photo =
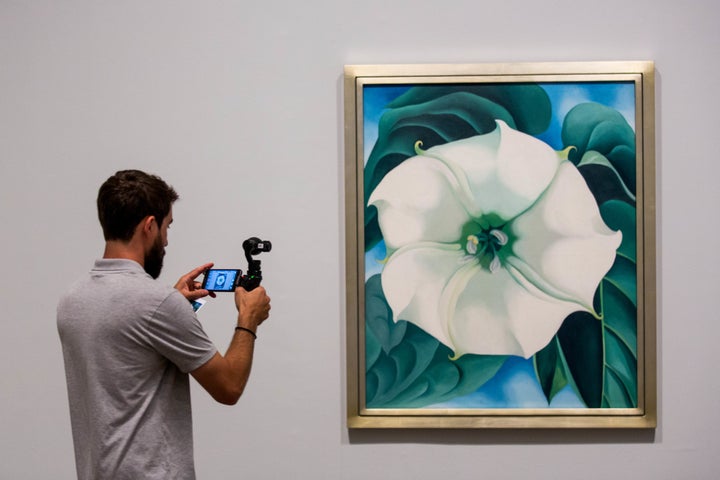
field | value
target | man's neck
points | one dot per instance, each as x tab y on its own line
125	250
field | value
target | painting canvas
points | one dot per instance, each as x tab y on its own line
500	245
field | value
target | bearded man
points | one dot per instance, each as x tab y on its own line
130	343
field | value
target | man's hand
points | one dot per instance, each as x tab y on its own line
253	307
191	288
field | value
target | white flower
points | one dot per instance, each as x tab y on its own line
492	242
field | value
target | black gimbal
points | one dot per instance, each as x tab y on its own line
253	246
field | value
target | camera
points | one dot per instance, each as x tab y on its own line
228	279
253	246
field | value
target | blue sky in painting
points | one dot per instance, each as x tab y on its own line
515	385
564	96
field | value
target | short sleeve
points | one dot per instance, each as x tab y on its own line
175	332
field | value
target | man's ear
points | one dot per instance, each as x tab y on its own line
147	224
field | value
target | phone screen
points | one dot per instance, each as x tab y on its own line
221	279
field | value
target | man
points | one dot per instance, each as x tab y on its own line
129	343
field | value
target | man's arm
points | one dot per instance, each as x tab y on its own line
225	377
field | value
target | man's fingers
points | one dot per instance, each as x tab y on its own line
198	270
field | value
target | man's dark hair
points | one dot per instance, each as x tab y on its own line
129	196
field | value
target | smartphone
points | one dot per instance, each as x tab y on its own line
221	279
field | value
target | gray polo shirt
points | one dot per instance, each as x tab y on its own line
128	344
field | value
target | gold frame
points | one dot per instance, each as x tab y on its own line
642	73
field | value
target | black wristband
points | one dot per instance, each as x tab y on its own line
246	330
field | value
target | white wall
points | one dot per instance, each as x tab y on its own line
246	97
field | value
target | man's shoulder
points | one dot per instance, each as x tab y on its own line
123	283
130	275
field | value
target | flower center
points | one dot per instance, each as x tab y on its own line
486	245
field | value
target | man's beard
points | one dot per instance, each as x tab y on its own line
154	259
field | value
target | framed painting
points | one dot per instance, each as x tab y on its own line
500	245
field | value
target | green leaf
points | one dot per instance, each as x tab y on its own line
551	369
372	348
615	389
379	378
439	381
603	179
445	379
620	336
528	103
621	372
451	116
405	363
386	335
580	338
597	357
596	127
623	277
620	315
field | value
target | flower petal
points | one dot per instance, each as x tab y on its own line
502	314
506	170
467	308
420	200
561	243
413	281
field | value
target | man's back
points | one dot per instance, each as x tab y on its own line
128	343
